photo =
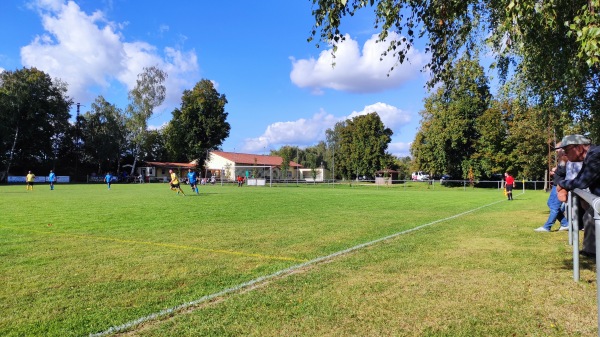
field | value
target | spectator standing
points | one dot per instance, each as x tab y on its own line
108	179
51	179
580	149
29	180
556	206
510	183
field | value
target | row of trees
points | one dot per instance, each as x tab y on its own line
353	148
547	55
464	129
36	133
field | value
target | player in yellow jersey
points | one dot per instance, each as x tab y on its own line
175	183
30	179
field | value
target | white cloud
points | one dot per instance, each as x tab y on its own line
307	132
356	72
391	116
302	132
399	149
89	52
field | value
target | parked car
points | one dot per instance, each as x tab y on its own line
420	176
444	179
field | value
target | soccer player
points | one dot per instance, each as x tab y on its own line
51	179
30	179
108	179
175	183
510	183
193	179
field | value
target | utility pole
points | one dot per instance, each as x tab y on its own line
77	142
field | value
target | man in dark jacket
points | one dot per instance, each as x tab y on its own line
580	149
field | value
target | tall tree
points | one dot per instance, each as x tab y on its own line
402	165
332	137
553	46
148	93
526	142
103	133
490	155
361	145
199	125
286	155
155	146
446	140
34	114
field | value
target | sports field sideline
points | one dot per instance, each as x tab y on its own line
82	260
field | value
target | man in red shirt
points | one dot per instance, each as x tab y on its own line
510	183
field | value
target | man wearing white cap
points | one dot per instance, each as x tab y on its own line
580	149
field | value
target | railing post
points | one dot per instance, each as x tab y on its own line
569	211
596	206
575	217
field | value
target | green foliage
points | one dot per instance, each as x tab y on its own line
490	156
34	113
528	143
447	138
402	165
553	47
286	155
199	125
148	93
586	27
103	132
360	144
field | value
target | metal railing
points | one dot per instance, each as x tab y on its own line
575	212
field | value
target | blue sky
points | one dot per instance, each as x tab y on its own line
281	89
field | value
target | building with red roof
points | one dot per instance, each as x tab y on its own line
231	164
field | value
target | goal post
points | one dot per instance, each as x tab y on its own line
254	175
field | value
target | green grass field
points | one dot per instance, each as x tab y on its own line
83	260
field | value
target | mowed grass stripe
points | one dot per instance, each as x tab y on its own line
159	244
266	278
58	286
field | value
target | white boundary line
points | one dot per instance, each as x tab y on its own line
260	279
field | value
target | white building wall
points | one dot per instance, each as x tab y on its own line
216	162
306	174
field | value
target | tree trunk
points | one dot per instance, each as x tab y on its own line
134	162
12	151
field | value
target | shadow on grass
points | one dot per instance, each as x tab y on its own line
585	263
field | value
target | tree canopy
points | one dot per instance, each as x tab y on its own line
552	46
446	140
199	125
34	113
148	93
103	132
360	145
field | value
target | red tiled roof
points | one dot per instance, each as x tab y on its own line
252	159
169	164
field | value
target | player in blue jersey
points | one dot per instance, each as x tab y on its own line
193	180
108	179
51	179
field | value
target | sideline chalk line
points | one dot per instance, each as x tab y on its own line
260	279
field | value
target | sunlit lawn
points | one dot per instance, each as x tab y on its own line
82	259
